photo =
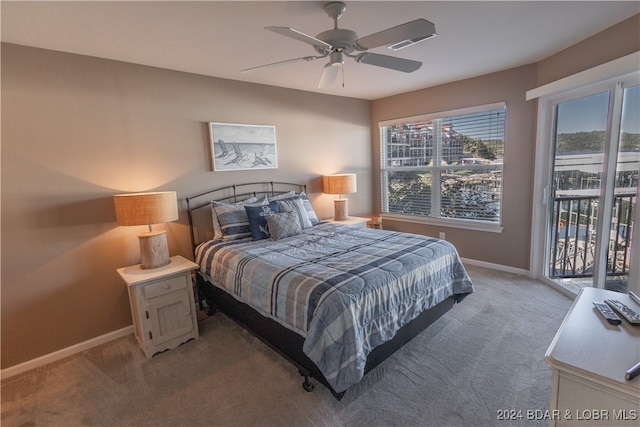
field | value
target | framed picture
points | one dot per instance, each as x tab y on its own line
242	147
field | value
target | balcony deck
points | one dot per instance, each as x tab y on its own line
573	242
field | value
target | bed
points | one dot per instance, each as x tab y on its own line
334	300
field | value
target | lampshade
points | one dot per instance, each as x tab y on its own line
339	184
148	209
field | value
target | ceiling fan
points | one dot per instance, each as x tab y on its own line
338	43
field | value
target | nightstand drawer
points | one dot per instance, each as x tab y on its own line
165	286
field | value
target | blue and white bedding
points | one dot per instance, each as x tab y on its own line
344	289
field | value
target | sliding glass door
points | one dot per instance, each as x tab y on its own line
592	190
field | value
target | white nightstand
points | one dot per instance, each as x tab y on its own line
162	307
352	220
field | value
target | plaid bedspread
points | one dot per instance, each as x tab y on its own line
344	289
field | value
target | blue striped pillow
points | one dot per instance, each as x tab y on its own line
234	223
217	232
295	205
313	218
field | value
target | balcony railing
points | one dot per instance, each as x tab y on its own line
573	237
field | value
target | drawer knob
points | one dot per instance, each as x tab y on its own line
167	286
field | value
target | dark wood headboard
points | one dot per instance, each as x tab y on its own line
200	226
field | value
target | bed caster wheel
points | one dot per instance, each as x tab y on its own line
210	311
308	386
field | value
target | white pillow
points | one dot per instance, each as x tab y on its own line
287	195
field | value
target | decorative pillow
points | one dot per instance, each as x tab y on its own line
313	218
234	223
217	232
295	205
284	224
257	219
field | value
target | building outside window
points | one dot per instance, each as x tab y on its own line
445	166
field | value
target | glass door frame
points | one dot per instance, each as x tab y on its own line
544	171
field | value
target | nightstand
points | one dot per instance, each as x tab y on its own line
352	220
162	306
375	221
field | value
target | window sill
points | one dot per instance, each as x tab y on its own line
451	223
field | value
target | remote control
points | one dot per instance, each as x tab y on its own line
633	372
607	313
630	315
634	297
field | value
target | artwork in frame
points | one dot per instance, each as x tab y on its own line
242	147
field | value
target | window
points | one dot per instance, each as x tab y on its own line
445	166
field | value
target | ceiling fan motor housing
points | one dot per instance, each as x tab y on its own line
341	39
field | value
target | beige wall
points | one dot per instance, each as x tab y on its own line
511	247
614	42
77	130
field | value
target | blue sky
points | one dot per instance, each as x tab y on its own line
590	113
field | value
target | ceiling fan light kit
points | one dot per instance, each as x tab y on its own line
339	42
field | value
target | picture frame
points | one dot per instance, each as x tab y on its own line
242	146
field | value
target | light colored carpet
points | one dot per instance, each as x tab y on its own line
485	355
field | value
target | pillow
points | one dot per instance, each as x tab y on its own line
284	224
313	218
234	223
217	232
282	196
295	205
257	219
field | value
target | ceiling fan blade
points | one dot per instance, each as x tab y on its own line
295	34
274	64
329	75
391	62
398	37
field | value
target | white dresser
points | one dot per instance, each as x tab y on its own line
588	359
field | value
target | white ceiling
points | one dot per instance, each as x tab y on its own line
219	38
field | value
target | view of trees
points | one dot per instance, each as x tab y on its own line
481	149
464	195
585	142
410	193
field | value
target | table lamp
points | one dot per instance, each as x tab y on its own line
147	209
340	184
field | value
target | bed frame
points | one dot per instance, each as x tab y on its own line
284	341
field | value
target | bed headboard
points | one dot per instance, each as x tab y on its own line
200	226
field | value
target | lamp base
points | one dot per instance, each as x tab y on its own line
154	251
341	210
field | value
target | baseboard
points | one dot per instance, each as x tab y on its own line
65	352
499	267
